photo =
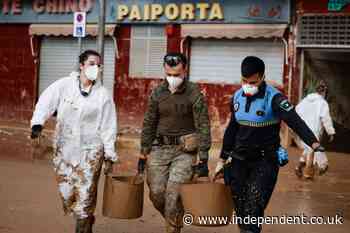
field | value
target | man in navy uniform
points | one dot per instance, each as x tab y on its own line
252	142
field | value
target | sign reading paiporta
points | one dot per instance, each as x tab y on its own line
147	11
172	11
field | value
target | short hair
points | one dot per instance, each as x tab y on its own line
181	56
321	87
252	65
86	54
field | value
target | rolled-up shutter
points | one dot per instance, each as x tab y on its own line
219	61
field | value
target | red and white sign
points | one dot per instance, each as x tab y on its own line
79	24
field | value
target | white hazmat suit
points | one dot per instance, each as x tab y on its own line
314	110
85	135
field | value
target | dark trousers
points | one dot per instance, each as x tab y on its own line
252	183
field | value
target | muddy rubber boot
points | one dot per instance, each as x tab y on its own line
299	169
172	229
322	171
90	224
80	225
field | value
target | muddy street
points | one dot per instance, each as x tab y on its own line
30	202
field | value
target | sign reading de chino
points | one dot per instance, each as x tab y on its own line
161	11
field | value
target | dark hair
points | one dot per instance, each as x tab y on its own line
252	65
321	87
173	59
86	54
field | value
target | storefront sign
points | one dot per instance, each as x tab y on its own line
172	11
337	5
147	11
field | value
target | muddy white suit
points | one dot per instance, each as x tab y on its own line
314	110
85	135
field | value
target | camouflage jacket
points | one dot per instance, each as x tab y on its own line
162	104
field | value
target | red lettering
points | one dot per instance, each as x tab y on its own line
85	5
16	7
51	6
61	6
5	7
71	6
38	6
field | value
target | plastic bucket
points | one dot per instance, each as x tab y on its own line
123	197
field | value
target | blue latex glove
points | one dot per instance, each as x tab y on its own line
282	155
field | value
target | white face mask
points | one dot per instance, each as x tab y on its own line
250	90
174	82
91	72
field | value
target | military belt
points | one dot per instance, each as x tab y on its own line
168	140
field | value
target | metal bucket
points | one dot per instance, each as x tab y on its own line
207	199
123	197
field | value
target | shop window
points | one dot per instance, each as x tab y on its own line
147	49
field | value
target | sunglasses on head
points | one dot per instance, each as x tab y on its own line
171	60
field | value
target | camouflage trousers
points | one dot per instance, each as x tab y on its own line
168	168
77	185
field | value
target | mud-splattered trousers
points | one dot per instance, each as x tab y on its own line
77	185
167	168
252	184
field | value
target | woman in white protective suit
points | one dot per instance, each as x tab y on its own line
314	110
84	137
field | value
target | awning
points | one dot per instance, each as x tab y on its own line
67	29
231	31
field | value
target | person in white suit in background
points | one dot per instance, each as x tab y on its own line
314	110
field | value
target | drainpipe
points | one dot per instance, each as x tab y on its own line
101	32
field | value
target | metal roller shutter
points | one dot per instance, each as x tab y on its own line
59	55
219	61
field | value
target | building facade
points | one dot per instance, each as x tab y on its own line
322	42
38	48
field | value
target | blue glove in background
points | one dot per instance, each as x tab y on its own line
282	155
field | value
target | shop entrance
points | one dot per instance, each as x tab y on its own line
333	67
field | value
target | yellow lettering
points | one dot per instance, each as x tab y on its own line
135	13
123	11
187	11
146	12
172	11
216	12
156	11
203	13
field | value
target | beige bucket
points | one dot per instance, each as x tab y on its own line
207	199
123	197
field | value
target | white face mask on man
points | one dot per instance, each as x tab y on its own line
174	82
92	72
250	90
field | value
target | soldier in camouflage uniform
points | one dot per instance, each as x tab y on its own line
175	128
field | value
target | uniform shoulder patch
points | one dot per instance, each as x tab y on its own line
285	105
236	106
